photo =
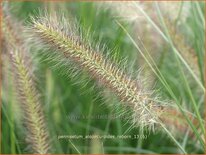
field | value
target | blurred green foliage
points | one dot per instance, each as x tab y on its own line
63	97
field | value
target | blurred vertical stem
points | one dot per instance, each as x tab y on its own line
12	136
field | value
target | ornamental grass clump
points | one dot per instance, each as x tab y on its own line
15	47
70	45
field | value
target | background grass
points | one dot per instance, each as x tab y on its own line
63	99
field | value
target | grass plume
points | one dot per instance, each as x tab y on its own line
146	111
68	43
28	96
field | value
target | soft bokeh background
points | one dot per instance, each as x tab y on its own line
64	97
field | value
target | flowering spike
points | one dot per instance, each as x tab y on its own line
37	135
70	46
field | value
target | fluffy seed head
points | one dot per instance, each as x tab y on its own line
28	96
37	135
67	42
